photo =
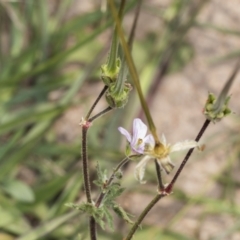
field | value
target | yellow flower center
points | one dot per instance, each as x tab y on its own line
160	150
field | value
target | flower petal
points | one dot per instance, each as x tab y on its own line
164	141
149	143
140	169
139	130
124	132
166	164
149	140
183	145
138	148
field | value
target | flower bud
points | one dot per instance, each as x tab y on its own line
118	100
128	150
213	112
110	75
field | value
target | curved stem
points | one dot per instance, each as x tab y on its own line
143	215
96	101
102	194
108	109
168	189
87	186
133	71
189	153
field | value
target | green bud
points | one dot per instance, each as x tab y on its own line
211	98
220	115
118	100
110	75
227	111
119	174
128	150
211	105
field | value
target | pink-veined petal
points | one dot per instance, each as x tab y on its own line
139	130
183	145
124	132
140	169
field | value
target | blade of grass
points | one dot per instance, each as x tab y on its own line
48	227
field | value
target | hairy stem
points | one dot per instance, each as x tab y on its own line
87	186
85	165
92	226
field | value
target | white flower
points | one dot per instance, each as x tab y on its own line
163	157
138	140
145	145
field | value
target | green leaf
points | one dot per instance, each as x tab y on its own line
122	214
47	227
51	187
30	115
108	217
19	190
12	220
69	193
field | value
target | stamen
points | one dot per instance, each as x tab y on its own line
139	141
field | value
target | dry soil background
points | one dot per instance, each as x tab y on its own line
177	109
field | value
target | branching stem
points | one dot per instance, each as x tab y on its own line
168	189
85	126
189	153
108	109
102	194
96	101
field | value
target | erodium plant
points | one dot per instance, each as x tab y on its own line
141	145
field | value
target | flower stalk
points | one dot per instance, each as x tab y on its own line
164	191
145	145
223	99
168	189
85	163
96	101
143	215
106	110
159	177
133	73
111	69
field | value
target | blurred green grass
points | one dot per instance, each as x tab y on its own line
44	51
